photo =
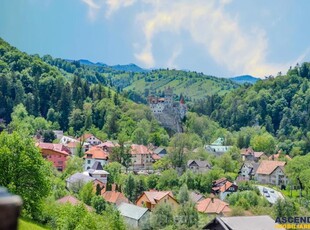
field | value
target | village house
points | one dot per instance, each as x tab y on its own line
242	223
217	147
248	154
73	201
141	157
108	146
58	133
150	199
89	138
96	171
247	171
115	197
275	157
213	206
94	154
67	139
223	188
271	172
76	181
198	166
133	215
56	153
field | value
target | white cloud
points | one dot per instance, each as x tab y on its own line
239	50
110	6
114	5
210	26
93	8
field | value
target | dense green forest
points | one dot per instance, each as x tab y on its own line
280	104
68	97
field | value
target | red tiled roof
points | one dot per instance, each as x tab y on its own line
277	156
226	186
258	154
267	167
72	144
97	153
247	151
156	157
85	136
139	149
72	200
212	205
115	197
55	147
155	196
108	144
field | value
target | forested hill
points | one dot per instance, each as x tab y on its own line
281	104
39	96
139	84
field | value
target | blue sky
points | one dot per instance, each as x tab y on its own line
222	37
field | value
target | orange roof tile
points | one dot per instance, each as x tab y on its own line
156	157
72	200
155	196
96	153
60	148
212	205
85	136
115	197
267	167
139	149
226	186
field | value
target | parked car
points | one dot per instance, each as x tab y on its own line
267	194
265	190
272	191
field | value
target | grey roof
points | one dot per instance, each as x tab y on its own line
97	166
80	177
131	211
249	222
195	197
252	165
201	164
158	150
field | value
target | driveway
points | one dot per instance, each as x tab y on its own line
273	194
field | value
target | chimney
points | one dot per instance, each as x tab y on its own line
212	198
113	187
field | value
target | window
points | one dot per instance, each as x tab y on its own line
60	162
88	161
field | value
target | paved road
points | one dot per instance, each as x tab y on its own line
273	194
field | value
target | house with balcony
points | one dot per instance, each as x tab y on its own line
95	154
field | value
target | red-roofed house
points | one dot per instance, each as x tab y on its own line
94	154
248	154
271	172
278	156
223	187
89	138
108	146
141	156
115	197
73	201
152	198
55	153
213	206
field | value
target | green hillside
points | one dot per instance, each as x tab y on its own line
25	225
191	84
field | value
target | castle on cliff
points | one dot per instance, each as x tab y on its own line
168	112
